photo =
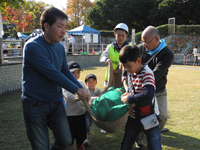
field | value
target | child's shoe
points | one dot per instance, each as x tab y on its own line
79	147
86	143
103	131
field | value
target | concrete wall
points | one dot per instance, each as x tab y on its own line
10	74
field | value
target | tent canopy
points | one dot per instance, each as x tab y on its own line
7	25
81	30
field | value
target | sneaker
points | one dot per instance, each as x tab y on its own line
165	130
86	143
79	147
139	147
103	131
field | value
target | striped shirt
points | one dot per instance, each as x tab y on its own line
143	78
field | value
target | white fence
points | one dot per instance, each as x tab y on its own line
11	51
84	49
184	59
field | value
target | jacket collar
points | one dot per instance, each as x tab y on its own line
116	47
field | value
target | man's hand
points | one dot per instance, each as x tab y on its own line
83	93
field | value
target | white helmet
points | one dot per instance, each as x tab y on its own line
122	26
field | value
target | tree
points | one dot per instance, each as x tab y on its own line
35	9
18	17
27	17
138	14
12	3
76	11
185	12
106	14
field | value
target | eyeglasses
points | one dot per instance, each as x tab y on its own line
147	44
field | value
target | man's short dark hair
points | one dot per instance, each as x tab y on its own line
129	53
51	15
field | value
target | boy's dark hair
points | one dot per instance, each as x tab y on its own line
51	15
115	31
129	53
90	76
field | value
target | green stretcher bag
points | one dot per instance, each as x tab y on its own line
109	106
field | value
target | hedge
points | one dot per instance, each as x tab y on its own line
163	29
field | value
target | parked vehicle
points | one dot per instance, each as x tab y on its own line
34	33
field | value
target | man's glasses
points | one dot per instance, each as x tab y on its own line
147	44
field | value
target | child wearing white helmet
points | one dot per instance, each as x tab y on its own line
111	54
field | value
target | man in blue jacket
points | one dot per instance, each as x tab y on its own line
45	71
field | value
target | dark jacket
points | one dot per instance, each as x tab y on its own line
159	65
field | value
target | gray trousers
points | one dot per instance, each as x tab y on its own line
162	105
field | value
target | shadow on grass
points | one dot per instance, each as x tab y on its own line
177	141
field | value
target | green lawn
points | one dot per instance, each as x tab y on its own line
183	103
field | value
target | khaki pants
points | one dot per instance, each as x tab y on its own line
162	105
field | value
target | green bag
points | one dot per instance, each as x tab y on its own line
109	106
116	112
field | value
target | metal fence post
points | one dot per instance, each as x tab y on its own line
1	51
73	49
88	48
102	48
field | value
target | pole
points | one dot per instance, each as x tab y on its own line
1	27
133	36
1	51
88	49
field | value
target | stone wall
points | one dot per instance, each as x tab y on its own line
181	44
10	77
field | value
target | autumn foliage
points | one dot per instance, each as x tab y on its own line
19	17
76	11
27	17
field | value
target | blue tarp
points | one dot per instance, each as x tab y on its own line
7	25
81	30
21	35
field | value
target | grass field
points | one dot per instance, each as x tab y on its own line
183	104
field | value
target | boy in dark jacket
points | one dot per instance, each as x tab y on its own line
141	89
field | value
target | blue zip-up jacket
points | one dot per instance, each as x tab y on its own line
45	71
